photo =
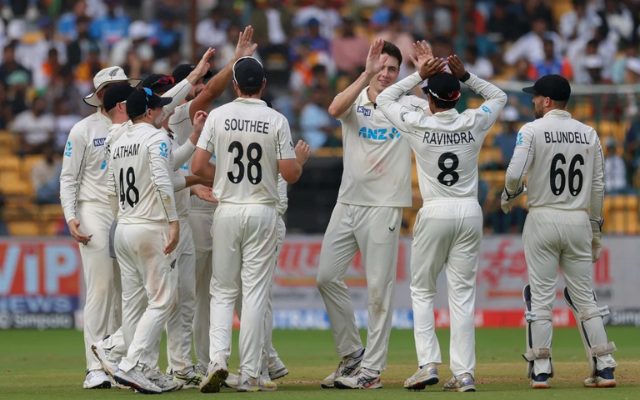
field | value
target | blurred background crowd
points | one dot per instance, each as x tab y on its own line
51	49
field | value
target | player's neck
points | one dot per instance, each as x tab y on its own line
372	94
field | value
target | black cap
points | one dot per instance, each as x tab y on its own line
443	86
116	93
143	99
159	83
248	73
183	70
553	86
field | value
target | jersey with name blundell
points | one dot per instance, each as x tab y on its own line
562	159
248	138
141	167
446	144
377	161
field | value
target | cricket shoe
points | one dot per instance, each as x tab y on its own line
232	381
266	383
540	381
277	369
461	383
188	378
96	379
364	378
102	353
347	367
423	377
216	375
135	378
248	384
165	382
602	379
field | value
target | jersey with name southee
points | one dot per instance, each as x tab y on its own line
248	138
377	160
141	168
560	157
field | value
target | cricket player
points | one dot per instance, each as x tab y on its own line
563	160
252	143
147	234
376	184
448	227
85	203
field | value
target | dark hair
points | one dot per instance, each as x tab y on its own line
392	50
250	91
442	104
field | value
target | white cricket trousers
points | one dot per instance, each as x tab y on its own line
560	237
375	231
102	309
244	248
149	287
446	235
200	222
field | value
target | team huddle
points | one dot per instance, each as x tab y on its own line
179	214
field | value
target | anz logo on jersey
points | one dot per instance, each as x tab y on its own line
379	134
164	150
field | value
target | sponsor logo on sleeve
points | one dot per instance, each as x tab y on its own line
103	165
519	139
486	109
67	149
164	150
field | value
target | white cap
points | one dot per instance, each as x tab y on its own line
105	77
633	65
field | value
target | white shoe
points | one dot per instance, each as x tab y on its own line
102	353
461	383
96	379
216	375
347	367
135	378
426	375
364	379
277	369
265	382
188	378
232	381
248	384
166	383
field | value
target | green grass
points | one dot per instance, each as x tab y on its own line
49	364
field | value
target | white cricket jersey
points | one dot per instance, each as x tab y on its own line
563	162
181	125
447	143
141	167
84	167
248	138
376	161
180	171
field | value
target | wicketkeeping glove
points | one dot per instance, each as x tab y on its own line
506	199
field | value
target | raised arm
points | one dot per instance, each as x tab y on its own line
216	85
345	99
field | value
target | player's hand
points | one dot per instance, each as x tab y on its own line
74	228
245	46
506	199
422	53
375	60
199	120
204	193
431	67
202	67
302	151
456	66
174	237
